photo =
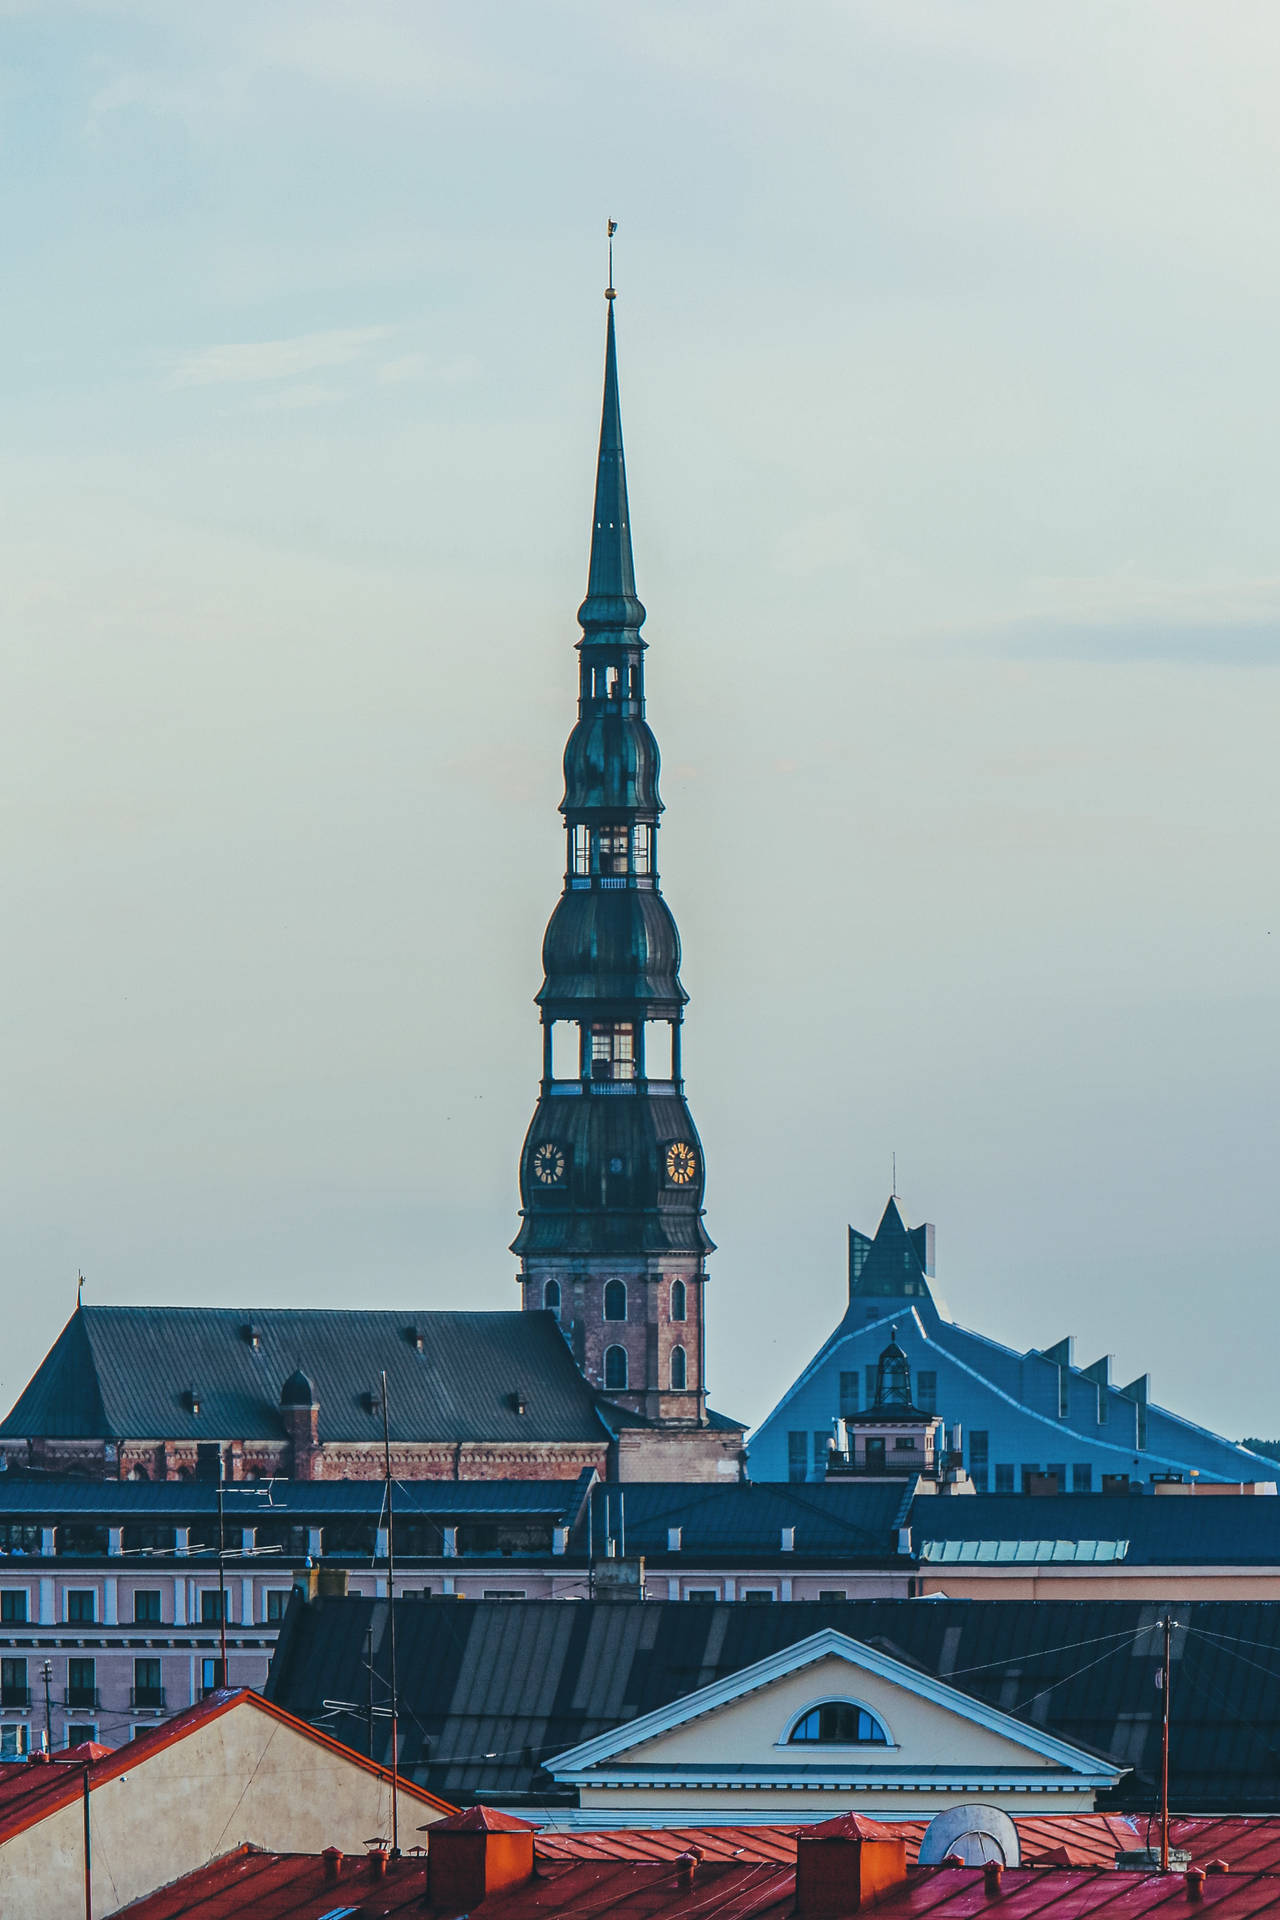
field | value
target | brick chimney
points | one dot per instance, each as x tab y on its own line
476	1853
300	1417
844	1864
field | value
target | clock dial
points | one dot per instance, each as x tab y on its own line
682	1164
548	1163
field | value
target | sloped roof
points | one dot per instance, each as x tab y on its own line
126	1373
31	1497
850	1519
1154	1530
498	1689
31	1792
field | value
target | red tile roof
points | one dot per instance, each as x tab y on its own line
30	1793
256	1886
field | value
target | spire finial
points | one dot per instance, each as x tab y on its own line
79	1287
609	292
894	1189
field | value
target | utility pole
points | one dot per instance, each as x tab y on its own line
1166	1670
46	1674
222	1570
391	1623
88	1849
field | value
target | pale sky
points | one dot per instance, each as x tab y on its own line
948	341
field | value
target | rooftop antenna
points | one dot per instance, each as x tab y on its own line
895	1176
609	292
79	1287
391	1625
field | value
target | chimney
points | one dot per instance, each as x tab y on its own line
332	1858
846	1863
473	1854
300	1417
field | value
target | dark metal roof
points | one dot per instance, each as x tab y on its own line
1161	1530
35	1497
849	1521
492	1690
132	1373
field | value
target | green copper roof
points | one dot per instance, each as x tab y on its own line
611	604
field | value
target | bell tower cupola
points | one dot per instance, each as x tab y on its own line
611	1173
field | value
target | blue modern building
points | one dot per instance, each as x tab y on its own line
1027	1421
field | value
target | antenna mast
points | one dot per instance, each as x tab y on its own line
391	1618
1166	1670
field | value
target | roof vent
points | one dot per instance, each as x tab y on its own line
249	1334
191	1399
518	1402
414	1339
788	1540
371	1400
673	1539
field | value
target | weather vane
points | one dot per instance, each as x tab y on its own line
609	293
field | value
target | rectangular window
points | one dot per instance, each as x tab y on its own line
582	850
277	1602
15	1743
758	1595
644	848
211	1676
703	1595
146	1606
613	845
80	1733
1064	1392
831	1594
82	1683
1059	1473
148	1689
503	1593
978	1475
1030	1472
927	1390
211	1607
81	1605
979	1448
848	1395
1004	1476
13	1684
613	1051
797	1455
1082	1477
16	1537
13	1607
821	1448
872	1377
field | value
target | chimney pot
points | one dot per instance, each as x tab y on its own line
1195	1883
953	1860
377	1863
992	1874
686	1866
1217	1866
332	1857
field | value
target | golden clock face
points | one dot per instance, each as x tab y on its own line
548	1163
682	1164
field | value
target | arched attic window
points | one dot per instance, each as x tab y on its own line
679	1301
551	1297
615	1369
838	1723
679	1370
615	1300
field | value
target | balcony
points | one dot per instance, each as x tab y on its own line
17	1697
146	1697
885	1466
82	1699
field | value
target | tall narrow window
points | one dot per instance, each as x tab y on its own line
848	1394
615	1369
551	1297
927	1390
581	855
678	1300
797	1456
615	1300
644	848
679	1370
611	683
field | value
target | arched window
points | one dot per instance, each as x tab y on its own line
615	1300
678	1302
551	1296
679	1370
838	1723
615	1369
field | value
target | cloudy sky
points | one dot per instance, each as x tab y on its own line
948	343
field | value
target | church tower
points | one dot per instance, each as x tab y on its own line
611	1174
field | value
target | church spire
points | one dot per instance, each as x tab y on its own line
611	607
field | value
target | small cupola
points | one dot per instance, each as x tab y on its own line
893	1376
